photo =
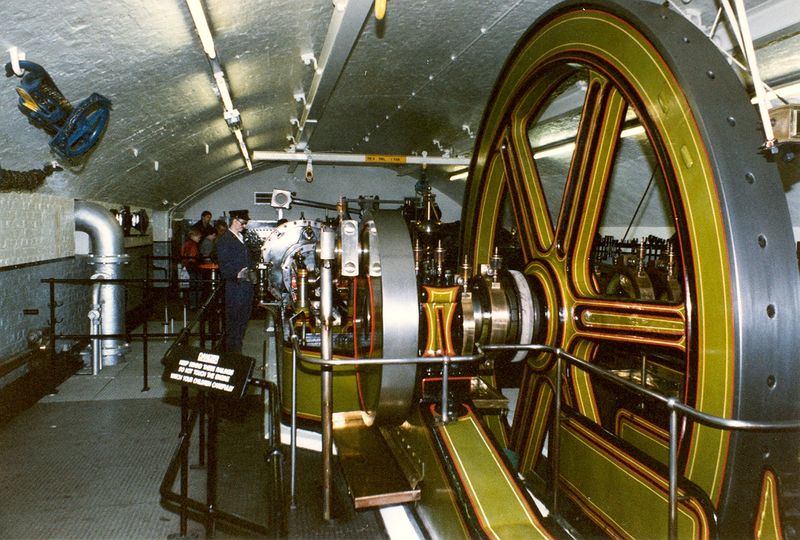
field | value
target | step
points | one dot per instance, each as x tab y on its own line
371	470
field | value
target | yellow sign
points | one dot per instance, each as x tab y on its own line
378	158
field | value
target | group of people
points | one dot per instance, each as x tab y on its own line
224	244
200	246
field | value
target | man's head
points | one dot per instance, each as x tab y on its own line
239	219
205	217
220	227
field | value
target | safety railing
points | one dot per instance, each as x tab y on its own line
326	366
675	407
208	512
194	326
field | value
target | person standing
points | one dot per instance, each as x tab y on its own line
190	258
207	245
234	263
204	225
220	227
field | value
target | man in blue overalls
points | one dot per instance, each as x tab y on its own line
234	263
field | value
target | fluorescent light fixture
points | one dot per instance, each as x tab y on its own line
201	24
224	92
556	150
570	146
632	131
460	175
243	148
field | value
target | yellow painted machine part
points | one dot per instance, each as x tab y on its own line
644	435
599	35
345	393
768	518
594	474
499	505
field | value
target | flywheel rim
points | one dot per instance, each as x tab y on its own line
723	224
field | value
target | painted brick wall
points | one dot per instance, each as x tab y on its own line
45	231
42	246
22	289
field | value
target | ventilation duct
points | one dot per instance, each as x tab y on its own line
107	256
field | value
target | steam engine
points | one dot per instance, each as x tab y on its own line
691	297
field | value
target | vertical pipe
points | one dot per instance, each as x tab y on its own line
52	305
148	298
184	459
557	436
145	385
201	433
293	441
96	324
166	319
108	256
445	406
95	330
673	470
327	390
327	442
265	393
327	255
211	471
644	370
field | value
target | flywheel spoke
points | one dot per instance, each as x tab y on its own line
631	322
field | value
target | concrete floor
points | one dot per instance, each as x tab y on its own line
87	461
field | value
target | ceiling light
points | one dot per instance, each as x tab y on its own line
632	131
243	148
201	24
224	92
460	175
556	150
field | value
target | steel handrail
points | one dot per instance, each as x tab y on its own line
674	405
189	327
381	361
445	360
297	355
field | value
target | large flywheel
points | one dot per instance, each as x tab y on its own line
386	322
623	152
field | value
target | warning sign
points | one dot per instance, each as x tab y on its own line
225	373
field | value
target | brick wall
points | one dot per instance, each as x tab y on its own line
35	228
39	246
23	290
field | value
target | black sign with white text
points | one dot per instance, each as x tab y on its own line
225	374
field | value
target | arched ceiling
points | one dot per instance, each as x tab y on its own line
423	73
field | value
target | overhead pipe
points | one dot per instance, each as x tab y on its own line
343	30
368	159
755	74
107	257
